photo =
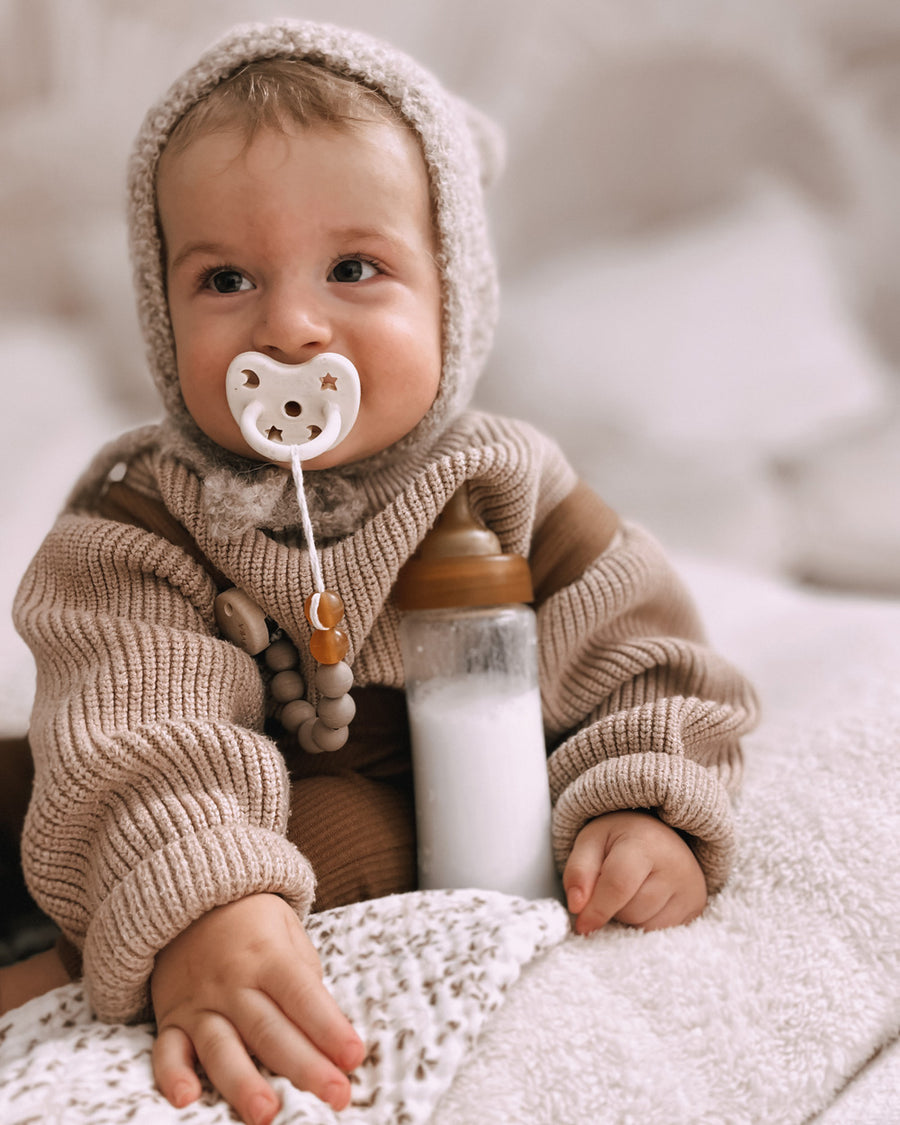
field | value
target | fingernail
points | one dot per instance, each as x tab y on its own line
336	1095
353	1054
261	1109
182	1095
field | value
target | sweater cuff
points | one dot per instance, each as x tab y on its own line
685	795
178	884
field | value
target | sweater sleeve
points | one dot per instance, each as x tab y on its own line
157	796
642	714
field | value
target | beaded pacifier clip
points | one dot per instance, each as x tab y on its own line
290	414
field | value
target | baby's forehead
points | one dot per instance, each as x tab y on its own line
231	163
237	147
283	93
279	191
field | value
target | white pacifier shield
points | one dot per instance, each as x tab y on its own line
311	406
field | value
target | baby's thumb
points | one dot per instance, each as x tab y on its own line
576	897
581	871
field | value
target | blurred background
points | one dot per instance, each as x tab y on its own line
697	229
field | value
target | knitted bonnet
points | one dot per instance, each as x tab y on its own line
461	152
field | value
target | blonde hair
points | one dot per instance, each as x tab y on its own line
278	92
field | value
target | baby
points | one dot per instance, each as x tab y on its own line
304	190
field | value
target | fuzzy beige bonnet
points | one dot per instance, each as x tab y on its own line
461	153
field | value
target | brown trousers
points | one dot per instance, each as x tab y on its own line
352	811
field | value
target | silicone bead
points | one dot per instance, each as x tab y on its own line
334	680
328	739
287	686
306	739
295	714
336	713
241	620
329	646
281	656
324	610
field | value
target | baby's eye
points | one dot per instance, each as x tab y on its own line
228	281
352	269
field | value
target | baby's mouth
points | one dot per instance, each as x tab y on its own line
286	411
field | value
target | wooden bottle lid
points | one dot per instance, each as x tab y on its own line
460	564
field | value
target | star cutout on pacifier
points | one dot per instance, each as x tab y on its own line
329	383
274	434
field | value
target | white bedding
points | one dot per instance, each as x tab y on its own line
780	1005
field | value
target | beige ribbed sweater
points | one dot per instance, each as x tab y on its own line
157	796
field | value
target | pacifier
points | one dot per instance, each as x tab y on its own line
292	410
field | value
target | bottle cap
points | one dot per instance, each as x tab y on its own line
460	564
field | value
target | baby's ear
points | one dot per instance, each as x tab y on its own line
489	143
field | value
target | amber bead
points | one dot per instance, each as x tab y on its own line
329	609
329	646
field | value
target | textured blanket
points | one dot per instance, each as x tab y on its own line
780	1005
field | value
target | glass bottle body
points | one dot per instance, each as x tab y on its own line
479	755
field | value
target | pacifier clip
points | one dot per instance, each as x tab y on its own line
290	414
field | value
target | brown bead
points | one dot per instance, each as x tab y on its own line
324	610
338	712
286	686
281	655
306	739
241	620
328	739
329	646
295	714
334	680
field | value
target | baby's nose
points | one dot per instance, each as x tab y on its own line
292	327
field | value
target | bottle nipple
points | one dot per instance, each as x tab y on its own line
460	563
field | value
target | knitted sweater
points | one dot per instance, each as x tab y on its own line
158	796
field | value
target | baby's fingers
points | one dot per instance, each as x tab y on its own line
583	866
621	877
230	1069
173	1067
281	1046
310	1006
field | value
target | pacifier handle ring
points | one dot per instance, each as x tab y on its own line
277	450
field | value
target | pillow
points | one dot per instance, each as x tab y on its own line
676	369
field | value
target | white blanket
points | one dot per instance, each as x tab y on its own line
780	1005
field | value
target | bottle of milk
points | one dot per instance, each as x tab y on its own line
469	649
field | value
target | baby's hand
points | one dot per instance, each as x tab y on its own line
244	982
631	867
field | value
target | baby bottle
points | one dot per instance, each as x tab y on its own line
469	646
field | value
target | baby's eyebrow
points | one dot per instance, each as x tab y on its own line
192	248
362	232
387	235
347	235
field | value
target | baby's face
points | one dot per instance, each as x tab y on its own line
312	241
